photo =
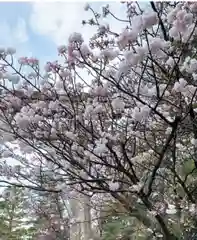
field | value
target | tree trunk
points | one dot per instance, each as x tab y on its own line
87	229
75	229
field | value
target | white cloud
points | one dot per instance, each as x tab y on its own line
20	32
58	20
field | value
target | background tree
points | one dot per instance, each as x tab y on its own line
14	217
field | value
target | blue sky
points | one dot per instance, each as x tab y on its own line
37	28
14	16
26	26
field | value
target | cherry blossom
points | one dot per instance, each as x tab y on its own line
114	119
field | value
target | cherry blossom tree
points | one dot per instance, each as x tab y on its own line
114	119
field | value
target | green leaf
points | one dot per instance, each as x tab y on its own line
194	105
188	166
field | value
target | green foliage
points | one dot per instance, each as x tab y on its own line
115	227
188	167
124	228
14	223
